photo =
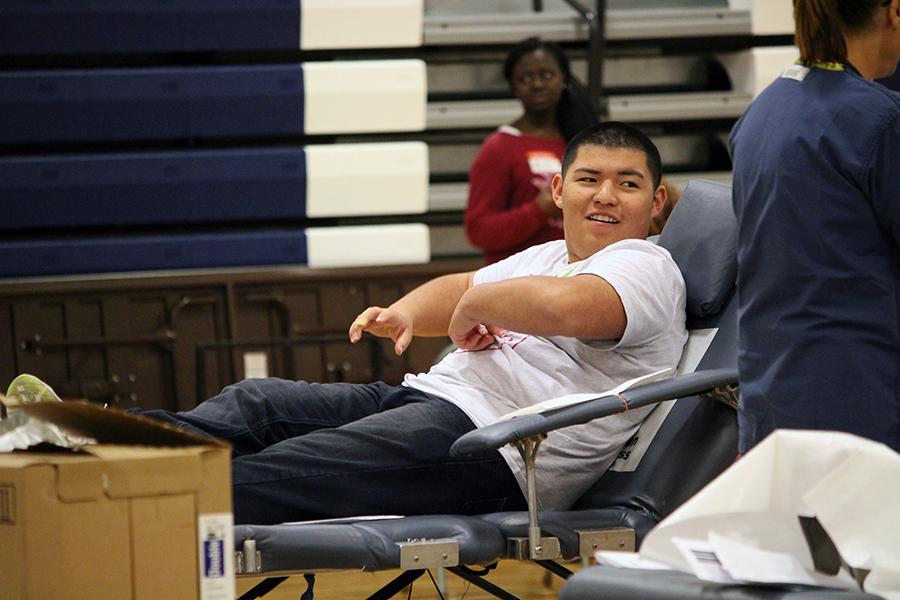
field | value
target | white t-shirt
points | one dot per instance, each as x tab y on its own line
520	370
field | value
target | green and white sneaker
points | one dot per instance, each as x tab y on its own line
20	431
27	389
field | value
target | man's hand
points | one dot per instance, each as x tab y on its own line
384	322
469	334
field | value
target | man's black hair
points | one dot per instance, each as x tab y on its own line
613	134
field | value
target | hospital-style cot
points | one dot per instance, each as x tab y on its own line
680	447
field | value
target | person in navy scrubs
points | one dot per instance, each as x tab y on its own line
817	198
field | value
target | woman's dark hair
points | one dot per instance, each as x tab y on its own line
820	26
574	111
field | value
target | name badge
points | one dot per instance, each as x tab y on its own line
796	72
543	163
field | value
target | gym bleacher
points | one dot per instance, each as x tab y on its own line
190	184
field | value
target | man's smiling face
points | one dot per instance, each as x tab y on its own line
606	195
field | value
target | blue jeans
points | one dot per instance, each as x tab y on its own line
308	451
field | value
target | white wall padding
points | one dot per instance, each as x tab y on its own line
352	180
753	70
768	17
360	24
366	96
367	245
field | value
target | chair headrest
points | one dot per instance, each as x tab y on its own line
701	236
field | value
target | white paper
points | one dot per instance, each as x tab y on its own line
632	453
20	431
849	483
628	560
698	342
745	563
570	399
256	365
339	520
865	525
702	560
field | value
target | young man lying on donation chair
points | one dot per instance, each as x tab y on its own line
576	315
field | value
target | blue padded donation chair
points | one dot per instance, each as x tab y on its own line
680	447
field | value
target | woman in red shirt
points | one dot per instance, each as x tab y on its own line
509	206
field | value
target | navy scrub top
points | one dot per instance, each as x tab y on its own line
817	199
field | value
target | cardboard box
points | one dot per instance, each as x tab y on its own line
145	513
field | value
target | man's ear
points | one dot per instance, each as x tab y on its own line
660	197
556	187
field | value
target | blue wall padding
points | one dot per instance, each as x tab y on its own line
150	104
69	256
154	188
35	27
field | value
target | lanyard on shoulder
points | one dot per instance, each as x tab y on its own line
799	70
827	65
832	66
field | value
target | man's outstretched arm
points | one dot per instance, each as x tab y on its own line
425	311
585	306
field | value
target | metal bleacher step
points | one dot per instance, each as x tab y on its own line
630	108
495	23
451	196
568	26
449	239
446	197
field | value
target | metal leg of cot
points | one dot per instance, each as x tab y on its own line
395	585
262	588
481	582
555	568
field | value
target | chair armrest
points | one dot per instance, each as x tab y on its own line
506	432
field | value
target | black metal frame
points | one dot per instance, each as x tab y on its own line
596	23
390	589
